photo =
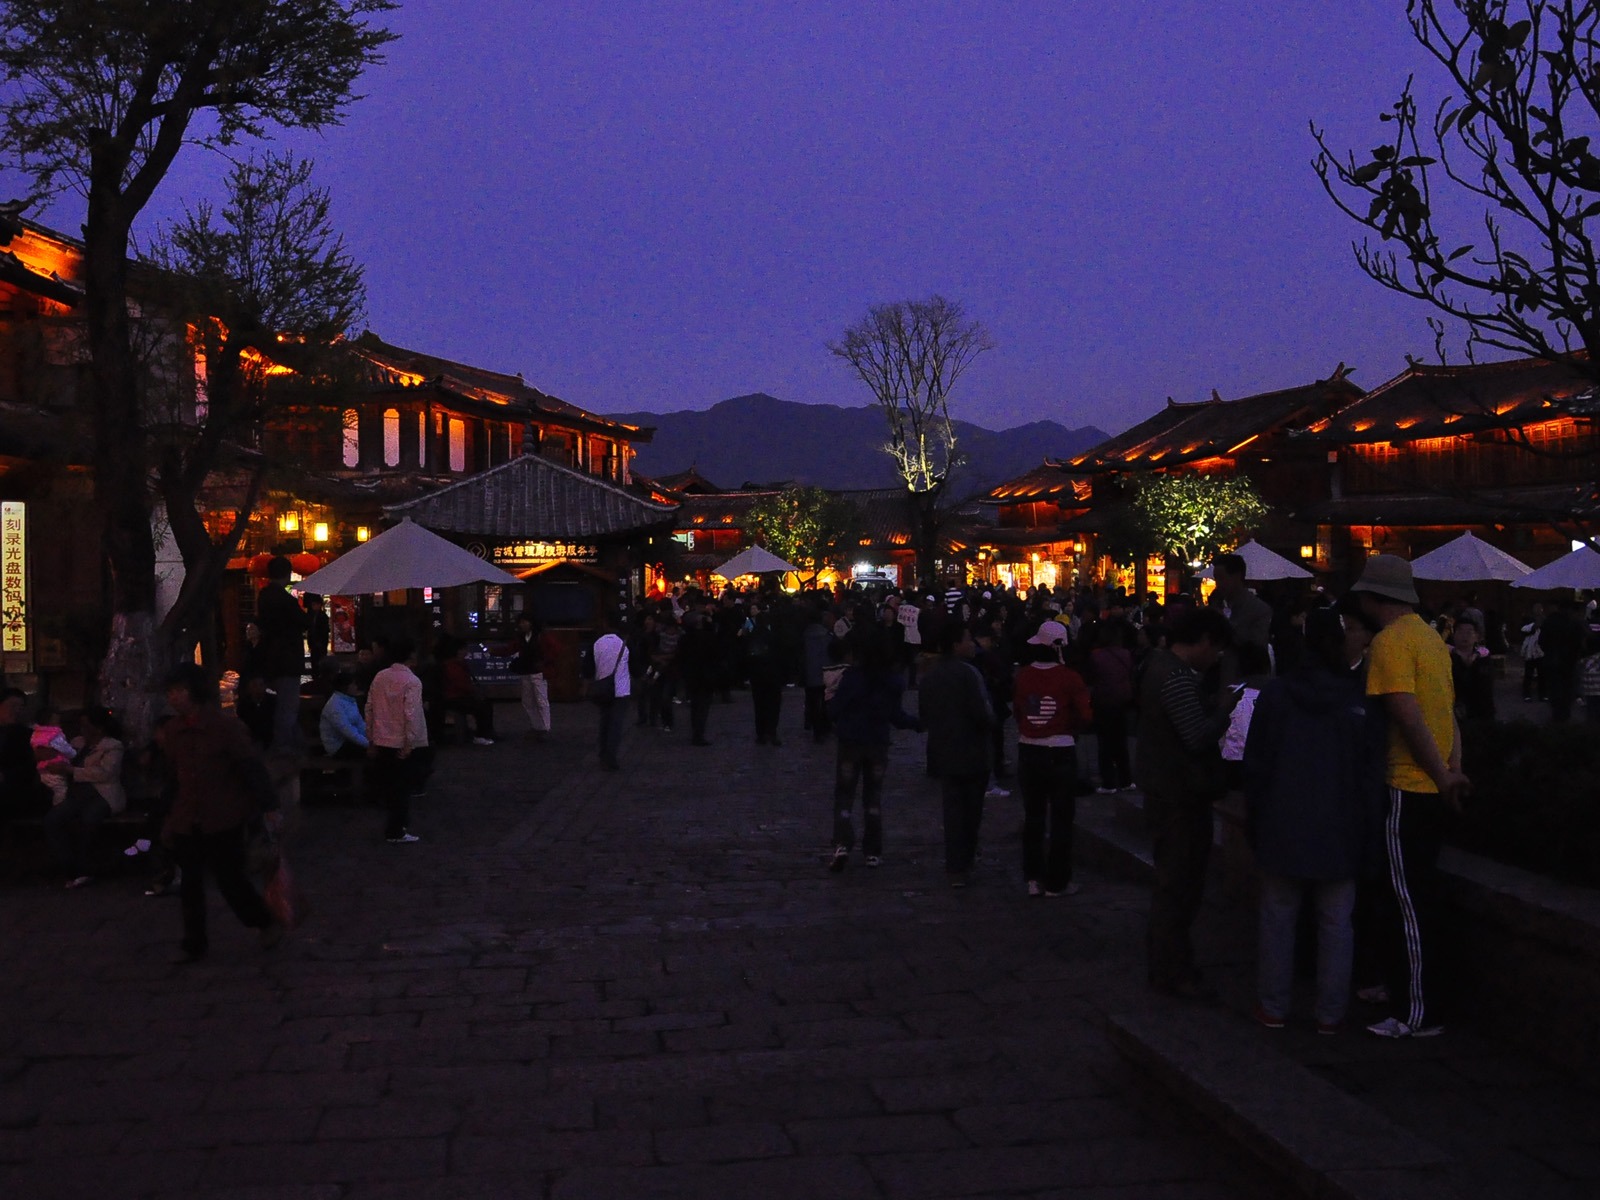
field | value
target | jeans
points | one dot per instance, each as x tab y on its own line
223	854
1048	777
536	702
963	816
1180	830
663	689
613	715
69	827
866	765
286	736
1335	901
1111	737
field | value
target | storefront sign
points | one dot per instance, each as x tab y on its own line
522	554
14	576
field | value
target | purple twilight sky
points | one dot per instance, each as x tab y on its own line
658	206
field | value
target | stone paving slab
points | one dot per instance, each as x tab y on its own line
587	984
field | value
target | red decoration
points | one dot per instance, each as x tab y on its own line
305	562
258	565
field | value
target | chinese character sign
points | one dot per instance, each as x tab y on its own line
13	576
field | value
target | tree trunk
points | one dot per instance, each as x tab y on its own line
121	482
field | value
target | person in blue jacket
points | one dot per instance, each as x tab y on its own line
342	728
1313	782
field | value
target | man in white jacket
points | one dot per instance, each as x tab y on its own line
611	664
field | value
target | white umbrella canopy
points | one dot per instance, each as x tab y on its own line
1261	564
1580	569
754	561
406	556
1469	559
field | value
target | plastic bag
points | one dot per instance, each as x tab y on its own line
284	898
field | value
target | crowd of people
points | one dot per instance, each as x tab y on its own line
1338	719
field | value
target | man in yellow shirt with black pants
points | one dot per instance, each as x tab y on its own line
1409	668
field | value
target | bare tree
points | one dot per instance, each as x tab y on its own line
912	354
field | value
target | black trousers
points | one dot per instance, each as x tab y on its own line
699	710
1048	777
817	720
222	854
1180	829
766	697
1111	737
391	780
1413	833
963	817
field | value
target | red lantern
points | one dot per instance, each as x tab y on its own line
258	565
305	562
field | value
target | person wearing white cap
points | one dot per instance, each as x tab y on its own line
1409	668
1052	707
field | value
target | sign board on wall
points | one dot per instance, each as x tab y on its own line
524	554
14	576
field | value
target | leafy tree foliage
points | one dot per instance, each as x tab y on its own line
1195	517
911	354
268	268
102	95
1514	140
807	526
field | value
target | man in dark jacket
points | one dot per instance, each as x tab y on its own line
953	703
282	652
1178	766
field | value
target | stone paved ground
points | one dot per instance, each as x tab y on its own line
587	985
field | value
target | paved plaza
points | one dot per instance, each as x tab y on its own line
640	984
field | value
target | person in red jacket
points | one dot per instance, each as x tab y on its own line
1051	703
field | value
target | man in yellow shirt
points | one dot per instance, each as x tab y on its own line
1409	668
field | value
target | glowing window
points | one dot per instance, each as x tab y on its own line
391	437
422	438
458	444
352	438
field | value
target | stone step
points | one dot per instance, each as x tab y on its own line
1322	1141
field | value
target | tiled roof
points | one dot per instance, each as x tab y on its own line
1425	401
390	365
1049	481
532	497
1182	433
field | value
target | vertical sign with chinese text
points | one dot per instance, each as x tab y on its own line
13	576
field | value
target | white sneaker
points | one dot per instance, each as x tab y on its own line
1105	791
997	790
405	839
1393	1027
482	741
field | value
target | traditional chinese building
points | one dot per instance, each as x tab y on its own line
1057	524
1508	450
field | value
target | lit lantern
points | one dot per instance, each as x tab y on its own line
289	522
319	532
305	562
258	565
1308	551
362	533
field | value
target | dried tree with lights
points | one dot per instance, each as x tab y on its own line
911	354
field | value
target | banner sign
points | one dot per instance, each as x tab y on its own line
14	576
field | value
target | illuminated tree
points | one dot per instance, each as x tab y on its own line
101	95
1195	517
809	527
911	354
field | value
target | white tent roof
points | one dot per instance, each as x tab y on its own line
1262	564
1468	559
405	556
1580	569
754	561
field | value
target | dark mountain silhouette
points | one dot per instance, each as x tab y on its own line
759	438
